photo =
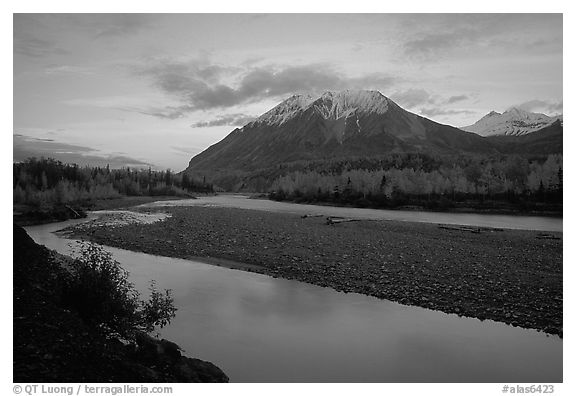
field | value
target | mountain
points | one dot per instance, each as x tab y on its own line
513	122
335	125
548	140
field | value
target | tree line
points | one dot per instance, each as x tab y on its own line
48	181
428	181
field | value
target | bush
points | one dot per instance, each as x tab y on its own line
99	290
158	310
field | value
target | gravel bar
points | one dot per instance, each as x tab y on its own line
509	276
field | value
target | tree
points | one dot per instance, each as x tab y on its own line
383	182
44	181
99	290
19	196
168	177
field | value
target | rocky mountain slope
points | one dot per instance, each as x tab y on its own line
548	140
335	125
513	122
349	125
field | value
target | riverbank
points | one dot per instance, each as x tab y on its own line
471	207
53	344
509	276
27	215
127	202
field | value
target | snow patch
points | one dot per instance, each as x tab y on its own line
514	122
285	110
336	105
330	105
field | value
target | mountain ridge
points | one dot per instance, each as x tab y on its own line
335	125
344	125
513	122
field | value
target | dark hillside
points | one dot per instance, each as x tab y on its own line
548	140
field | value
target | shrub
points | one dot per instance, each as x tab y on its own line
158	310
99	290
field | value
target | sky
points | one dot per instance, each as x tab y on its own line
157	89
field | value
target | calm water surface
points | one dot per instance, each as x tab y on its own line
260	329
540	223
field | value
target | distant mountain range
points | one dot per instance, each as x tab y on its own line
514	122
548	140
340	125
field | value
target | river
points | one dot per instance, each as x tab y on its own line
261	329
539	223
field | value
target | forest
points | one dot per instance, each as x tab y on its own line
45	182
508	183
436	183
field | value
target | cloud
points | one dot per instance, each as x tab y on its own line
238	119
434	36
204	86
456	98
167	113
186	151
127	103
412	97
43	139
26	147
36	48
44	146
357	47
430	45
430	104
68	70
542	106
116	25
437	111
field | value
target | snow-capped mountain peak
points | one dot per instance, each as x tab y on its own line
513	121
330	105
520	113
336	105
286	110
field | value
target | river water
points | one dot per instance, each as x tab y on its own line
260	329
539	223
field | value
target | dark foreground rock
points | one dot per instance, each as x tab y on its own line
52	344
509	276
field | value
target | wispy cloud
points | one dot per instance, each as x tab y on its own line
36	48
128	103
26	147
186	151
542	106
457	98
115	25
430	105
432	44
440	111
237	119
68	70
167	112
411	97
443	34
47	145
